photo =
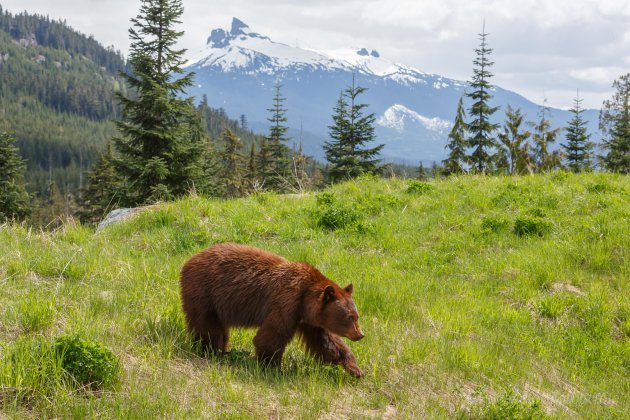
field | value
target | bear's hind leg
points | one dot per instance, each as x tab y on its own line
213	334
329	348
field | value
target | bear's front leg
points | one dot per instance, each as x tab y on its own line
329	348
272	338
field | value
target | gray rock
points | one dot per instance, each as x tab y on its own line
116	216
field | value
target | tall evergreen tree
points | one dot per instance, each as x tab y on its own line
342	162
543	137
578	150
482	139
233	164
204	171
104	189
279	168
351	131
515	142
14	200
158	154
455	163
614	121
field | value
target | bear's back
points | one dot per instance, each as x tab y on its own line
239	282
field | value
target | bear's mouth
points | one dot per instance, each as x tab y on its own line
358	336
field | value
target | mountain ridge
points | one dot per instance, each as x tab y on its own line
238	68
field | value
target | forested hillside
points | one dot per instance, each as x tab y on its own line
58	97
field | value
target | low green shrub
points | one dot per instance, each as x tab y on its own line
494	224
89	363
419	187
333	215
531	226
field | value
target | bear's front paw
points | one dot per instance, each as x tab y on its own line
353	370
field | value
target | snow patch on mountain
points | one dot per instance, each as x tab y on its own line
399	117
242	50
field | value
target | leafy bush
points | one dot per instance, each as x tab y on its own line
332	215
508	406
325	199
494	224
419	187
337	217
88	363
559	176
529	226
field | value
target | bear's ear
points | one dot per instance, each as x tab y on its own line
349	289
329	294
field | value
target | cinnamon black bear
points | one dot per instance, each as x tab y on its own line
230	285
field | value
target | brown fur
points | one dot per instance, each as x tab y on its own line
230	285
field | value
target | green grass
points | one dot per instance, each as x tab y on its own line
480	297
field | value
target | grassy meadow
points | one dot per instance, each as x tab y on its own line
480	297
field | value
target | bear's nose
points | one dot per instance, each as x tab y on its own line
360	336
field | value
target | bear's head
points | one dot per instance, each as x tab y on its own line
339	314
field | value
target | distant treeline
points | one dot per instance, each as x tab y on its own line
59	36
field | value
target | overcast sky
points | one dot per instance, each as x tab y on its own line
542	48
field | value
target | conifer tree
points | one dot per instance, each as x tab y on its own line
543	137
14	200
51	212
578	150
204	174
232	164
279	168
614	121
455	163
103	191
422	173
515	142
250	173
481	130
299	176
436	170
341	162
157	153
351	131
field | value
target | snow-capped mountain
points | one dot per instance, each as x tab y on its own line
399	117
237	70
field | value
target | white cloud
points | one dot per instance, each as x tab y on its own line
597	74
539	45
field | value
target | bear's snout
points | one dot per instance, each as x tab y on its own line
357	334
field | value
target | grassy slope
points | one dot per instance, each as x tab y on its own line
457	308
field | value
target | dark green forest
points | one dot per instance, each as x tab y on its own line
58	98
